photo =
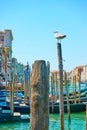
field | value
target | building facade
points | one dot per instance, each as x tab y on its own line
84	74
5	55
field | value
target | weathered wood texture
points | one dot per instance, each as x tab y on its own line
79	80
12	94
74	88
67	97
52	86
39	109
61	103
86	116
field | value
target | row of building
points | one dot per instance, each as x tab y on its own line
8	64
78	72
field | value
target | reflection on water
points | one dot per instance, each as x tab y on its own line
77	123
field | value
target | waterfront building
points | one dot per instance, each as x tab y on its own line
71	75
84	74
76	72
6	38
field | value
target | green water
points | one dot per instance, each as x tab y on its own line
77	123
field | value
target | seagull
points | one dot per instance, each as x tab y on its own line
59	35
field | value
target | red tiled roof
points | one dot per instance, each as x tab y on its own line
2	32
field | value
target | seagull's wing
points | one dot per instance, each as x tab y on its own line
59	35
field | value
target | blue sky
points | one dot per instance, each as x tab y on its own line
33	22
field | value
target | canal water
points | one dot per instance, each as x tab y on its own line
78	122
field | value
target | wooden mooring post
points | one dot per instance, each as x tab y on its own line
79	80
39	108
52	86
86	115
61	102
12	94
67	97
86	112
74	88
25	93
56	80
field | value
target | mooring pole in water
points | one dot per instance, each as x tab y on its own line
86	115
56	84
67	97
39	105
86	112
25	93
61	103
79	79
48	71
29	82
47	94
74	89
12	93
60	36
52	86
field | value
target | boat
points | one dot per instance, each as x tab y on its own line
74	107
